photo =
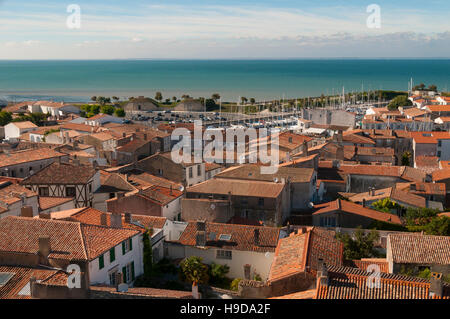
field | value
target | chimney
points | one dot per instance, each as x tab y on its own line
247	269
171	189
364	202
103	220
436	285
322	273
116	220
288	228
44	246
200	238
128	218
256	236
119	195
44	216
124	134
26	211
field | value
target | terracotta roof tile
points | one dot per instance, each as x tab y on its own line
27	156
61	173
242	237
352	208
420	249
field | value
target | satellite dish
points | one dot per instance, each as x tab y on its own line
311	205
182	188
213	206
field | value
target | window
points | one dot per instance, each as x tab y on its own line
112	195
439	143
112	278
127	246
328	221
223	254
43	191
112	255
261	201
244	201
190	172
101	262
439	154
70	191
128	272
199	170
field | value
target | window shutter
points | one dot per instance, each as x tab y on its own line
112	254
101	262
123	248
132	270
131	243
124	272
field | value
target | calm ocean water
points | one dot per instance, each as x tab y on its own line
262	79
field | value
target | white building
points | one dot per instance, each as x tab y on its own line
240	247
13	130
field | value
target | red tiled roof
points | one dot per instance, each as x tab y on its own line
242	237
68	240
351	283
352	208
148	292
61	173
223	186
92	216
21	277
49	202
27	156
441	174
429	137
420	249
290	256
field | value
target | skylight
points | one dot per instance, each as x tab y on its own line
5	277
224	237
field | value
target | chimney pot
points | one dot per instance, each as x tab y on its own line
436	285
44	246
256	236
128	218
103	220
116	220
26	211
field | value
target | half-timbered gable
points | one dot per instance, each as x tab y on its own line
66	180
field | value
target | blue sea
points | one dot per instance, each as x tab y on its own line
262	79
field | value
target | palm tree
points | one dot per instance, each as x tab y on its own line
194	270
158	96
215	97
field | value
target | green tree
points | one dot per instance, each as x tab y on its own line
432	87
148	254
244	100
401	100
215	97
101	100
194	270
362	246
174	98
158	96
385	205
252	100
94	98
439	226
217	273
5	118
119	112
95	109
107	109
406	159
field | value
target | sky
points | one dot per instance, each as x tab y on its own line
210	29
